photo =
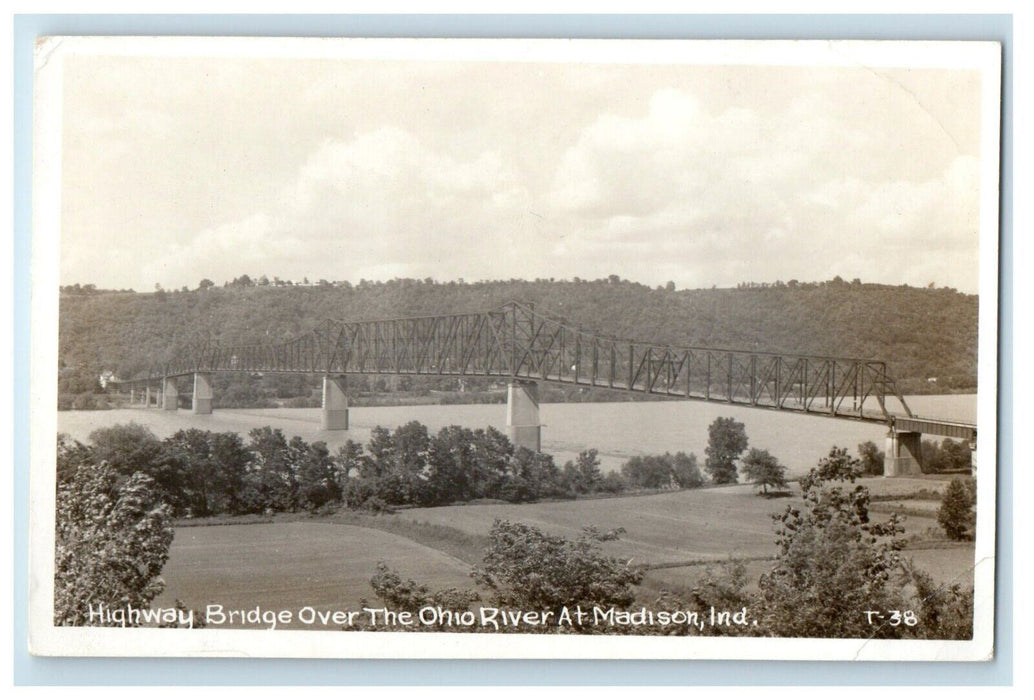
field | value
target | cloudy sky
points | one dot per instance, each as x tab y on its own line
177	169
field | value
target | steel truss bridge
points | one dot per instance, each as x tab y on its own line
517	342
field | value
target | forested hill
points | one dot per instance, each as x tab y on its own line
921	333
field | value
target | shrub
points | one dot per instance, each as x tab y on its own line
112	540
833	561
956	512
527	569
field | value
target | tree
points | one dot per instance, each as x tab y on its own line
112	540
685	470
533	475
492	454
188	457
583	475
382	452
271	482
128	448
833	561
648	471
727	439
871	458
317	484
764	470
451	463
527	569
409	445
409	596
205	284
70	454
351	462
837	466
956	512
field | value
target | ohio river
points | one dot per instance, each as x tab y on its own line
617	430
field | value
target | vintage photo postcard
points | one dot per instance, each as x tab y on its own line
434	348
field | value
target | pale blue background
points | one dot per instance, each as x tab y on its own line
37	671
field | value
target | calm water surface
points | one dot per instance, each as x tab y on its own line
617	430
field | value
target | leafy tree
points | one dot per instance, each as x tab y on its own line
270	483
663	471
205	284
727	440
956	512
112	540
833	561
317	483
351	462
764	470
723	587
685	470
70	454
944	612
493	452
128	448
837	466
533	475
410	596
409	445
614	482
382	452
208	469
527	569
648	472
583	475
451	462
949	455
188	462
231	460
871	458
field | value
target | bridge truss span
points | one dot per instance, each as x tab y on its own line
518	342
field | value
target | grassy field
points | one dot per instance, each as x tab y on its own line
287	565
664	528
327	562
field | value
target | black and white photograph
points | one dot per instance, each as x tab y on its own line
514	348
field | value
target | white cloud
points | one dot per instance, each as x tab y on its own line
380	204
670	187
787	194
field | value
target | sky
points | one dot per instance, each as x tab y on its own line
176	169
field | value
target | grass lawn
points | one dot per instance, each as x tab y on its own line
287	565
327	562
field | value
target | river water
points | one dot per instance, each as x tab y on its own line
617	430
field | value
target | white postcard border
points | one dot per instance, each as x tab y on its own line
46	639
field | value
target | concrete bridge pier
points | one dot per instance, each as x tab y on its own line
202	403
335	403
904	454
522	415
147	396
170	395
132	397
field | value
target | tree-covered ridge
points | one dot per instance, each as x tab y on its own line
921	333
